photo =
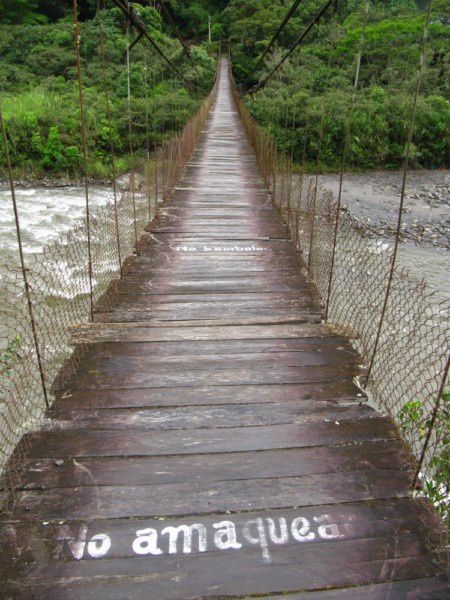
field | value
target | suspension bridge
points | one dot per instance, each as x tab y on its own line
217	387
211	442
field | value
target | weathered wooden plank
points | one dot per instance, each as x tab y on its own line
247	415
163	332
205	313
175	578
201	396
331	346
433	588
113	502
120	443
266	464
354	521
171	376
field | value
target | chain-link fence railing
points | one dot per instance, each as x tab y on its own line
404	345
60	283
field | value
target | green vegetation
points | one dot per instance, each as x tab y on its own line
415	425
40	94
39	91
388	72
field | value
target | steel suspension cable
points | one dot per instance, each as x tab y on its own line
177	33
147	134
84	151
24	269
298	41
135	20
303	165
112	150
319	147
408	147
277	33
130	143
348	128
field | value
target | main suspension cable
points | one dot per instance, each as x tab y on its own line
112	149
348	129
298	41
84	151
177	33
131	145
134	18
24	269
408	149
280	28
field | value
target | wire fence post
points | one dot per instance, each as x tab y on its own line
431	423
402	193
112	150
130	139
23	265
347	134
76	28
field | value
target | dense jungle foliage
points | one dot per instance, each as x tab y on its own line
389	63
39	92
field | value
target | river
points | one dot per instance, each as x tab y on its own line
47	212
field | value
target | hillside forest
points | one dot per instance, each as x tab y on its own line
311	93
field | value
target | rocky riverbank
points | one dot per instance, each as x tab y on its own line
373	199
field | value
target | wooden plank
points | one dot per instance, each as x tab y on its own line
331	346
201	396
172	578
353	521
124	358
432	588
171	376
266	464
247	415
207	314
97	502
120	443
152	332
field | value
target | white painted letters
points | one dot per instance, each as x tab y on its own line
186	531
283	538
146	542
99	545
257	526
300	530
329	531
225	536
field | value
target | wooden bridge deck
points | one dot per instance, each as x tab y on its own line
212	443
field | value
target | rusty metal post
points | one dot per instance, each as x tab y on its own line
437	405
22	264
111	138
84	151
130	139
344	156
403	190
147	135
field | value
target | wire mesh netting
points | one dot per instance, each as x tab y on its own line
348	273
60	289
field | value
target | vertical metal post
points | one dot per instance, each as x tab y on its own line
403	189
22	263
147	134
437	405
344	157
84	151
319	149
111	139
130	140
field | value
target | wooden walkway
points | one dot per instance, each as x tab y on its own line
212	443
